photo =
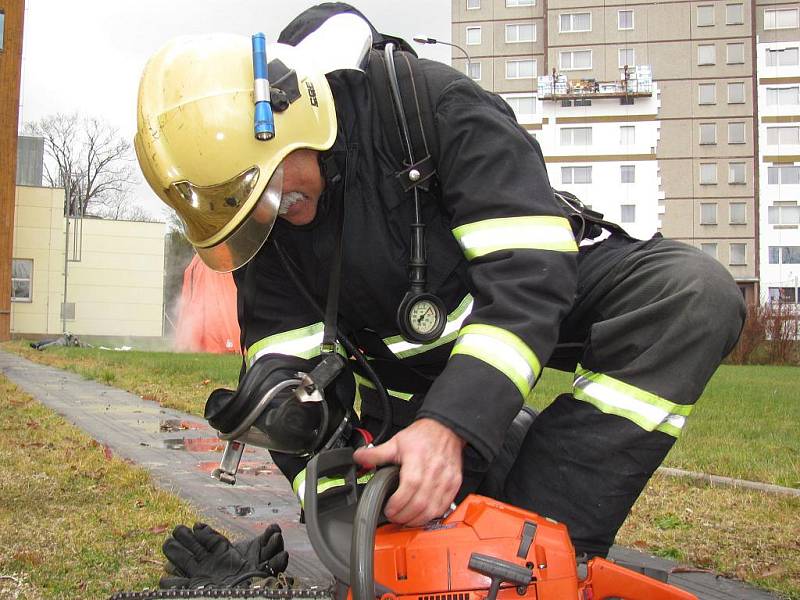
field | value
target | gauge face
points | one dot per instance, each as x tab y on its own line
424	316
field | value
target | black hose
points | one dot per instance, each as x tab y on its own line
365	523
351	348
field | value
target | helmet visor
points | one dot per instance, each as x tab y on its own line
229	198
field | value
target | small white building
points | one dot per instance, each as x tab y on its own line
113	272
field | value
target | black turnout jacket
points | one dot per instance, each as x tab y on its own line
500	251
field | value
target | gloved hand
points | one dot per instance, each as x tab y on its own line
201	557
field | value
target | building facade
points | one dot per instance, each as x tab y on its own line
107	282
11	19
657	114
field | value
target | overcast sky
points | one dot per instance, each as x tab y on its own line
87	55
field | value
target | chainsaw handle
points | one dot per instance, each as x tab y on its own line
326	521
369	514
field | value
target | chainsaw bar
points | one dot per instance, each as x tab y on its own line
240	593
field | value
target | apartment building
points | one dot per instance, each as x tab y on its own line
778	70
654	114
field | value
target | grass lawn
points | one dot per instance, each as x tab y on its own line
75	521
745	426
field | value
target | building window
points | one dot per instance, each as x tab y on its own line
576	136
783	96
708	213
515	3
473	36
784	255
520	32
705	15
738	213
710	249
627	213
708	133
707	93
783	295
736	132
734	14
783	135
474	70
523	105
783	175
576	174
2	28
627	135
785	57
736	92
626	57
624	19
706	54
627	174
783	215
520	69
473	4
575	60
781	18
736	173
735	54
708	173
573	22
21	279
738	254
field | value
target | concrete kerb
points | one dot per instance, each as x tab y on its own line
180	461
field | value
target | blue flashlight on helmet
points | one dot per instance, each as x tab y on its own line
264	120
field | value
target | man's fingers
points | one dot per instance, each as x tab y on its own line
379	455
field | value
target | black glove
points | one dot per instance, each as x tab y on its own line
202	557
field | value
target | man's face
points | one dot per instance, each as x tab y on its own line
303	182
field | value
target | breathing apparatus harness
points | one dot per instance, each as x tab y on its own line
285	403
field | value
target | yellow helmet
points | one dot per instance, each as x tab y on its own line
197	147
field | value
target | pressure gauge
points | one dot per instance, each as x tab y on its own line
421	317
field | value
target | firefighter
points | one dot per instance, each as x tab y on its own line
643	323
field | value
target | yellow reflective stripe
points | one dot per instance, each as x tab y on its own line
303	342
368	384
615	397
323	484
534	233
502	349
403	349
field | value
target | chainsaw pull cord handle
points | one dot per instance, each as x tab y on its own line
365	523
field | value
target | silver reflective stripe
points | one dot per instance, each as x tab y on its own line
534	233
503	350
615	397
403	349
303	342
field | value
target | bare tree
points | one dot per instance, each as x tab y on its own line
87	157
119	207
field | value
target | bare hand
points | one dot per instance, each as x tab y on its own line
429	455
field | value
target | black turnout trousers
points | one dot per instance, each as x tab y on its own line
651	322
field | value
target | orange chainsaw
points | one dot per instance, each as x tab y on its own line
483	550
